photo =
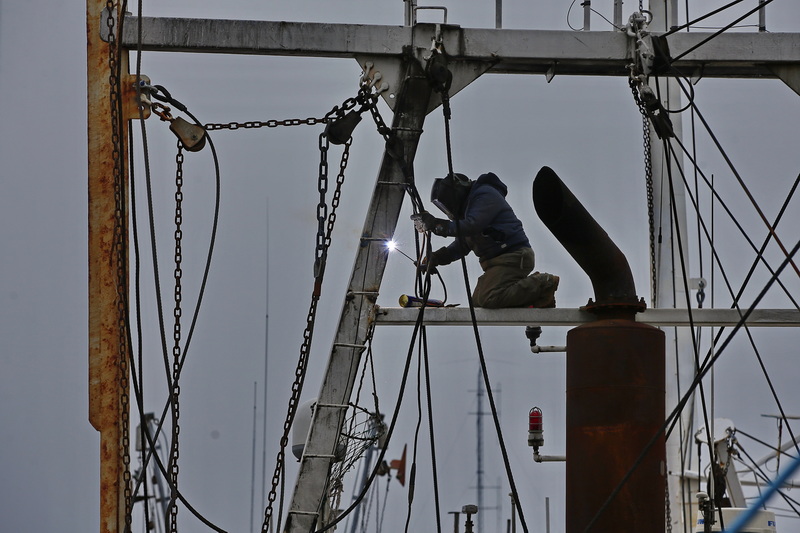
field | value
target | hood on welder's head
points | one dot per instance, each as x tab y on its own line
450	194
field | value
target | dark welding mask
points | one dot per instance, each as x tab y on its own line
450	194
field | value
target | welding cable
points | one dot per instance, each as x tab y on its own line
390	431
490	394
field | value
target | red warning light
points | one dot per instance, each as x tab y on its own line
535	419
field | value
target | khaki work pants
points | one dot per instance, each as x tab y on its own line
507	282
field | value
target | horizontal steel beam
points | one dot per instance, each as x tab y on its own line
460	316
741	55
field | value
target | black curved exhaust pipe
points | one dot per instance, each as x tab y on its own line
587	243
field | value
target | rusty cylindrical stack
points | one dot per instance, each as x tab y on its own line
616	459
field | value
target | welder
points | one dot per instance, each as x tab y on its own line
482	221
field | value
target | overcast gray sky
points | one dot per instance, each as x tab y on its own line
587	129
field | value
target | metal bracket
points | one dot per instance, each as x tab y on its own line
133	99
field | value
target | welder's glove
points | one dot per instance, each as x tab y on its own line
437	258
424	221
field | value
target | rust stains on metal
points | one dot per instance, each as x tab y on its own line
105	375
615	406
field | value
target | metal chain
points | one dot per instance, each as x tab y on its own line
667	505
322	207
252	124
323	243
648	169
120	232
337	111
176	334
337	193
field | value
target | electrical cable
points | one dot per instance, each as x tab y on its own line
156	277
446	112
139	395
139	350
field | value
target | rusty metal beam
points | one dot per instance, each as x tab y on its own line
105	374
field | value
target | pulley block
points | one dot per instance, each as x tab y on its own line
340	130
192	136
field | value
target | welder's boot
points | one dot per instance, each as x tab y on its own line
547	291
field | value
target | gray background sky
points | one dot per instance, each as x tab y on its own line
587	129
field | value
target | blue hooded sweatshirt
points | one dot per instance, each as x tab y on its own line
488	227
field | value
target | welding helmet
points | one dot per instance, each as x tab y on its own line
450	194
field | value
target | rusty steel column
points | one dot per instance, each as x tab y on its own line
615	383
105	347
615	406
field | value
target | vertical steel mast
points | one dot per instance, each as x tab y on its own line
107	348
669	219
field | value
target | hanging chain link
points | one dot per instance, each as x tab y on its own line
176	334
668	509
323	241
648	169
120	244
322	207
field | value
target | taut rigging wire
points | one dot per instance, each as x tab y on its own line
685	278
702	17
758	472
759	252
744	187
701	223
760	5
